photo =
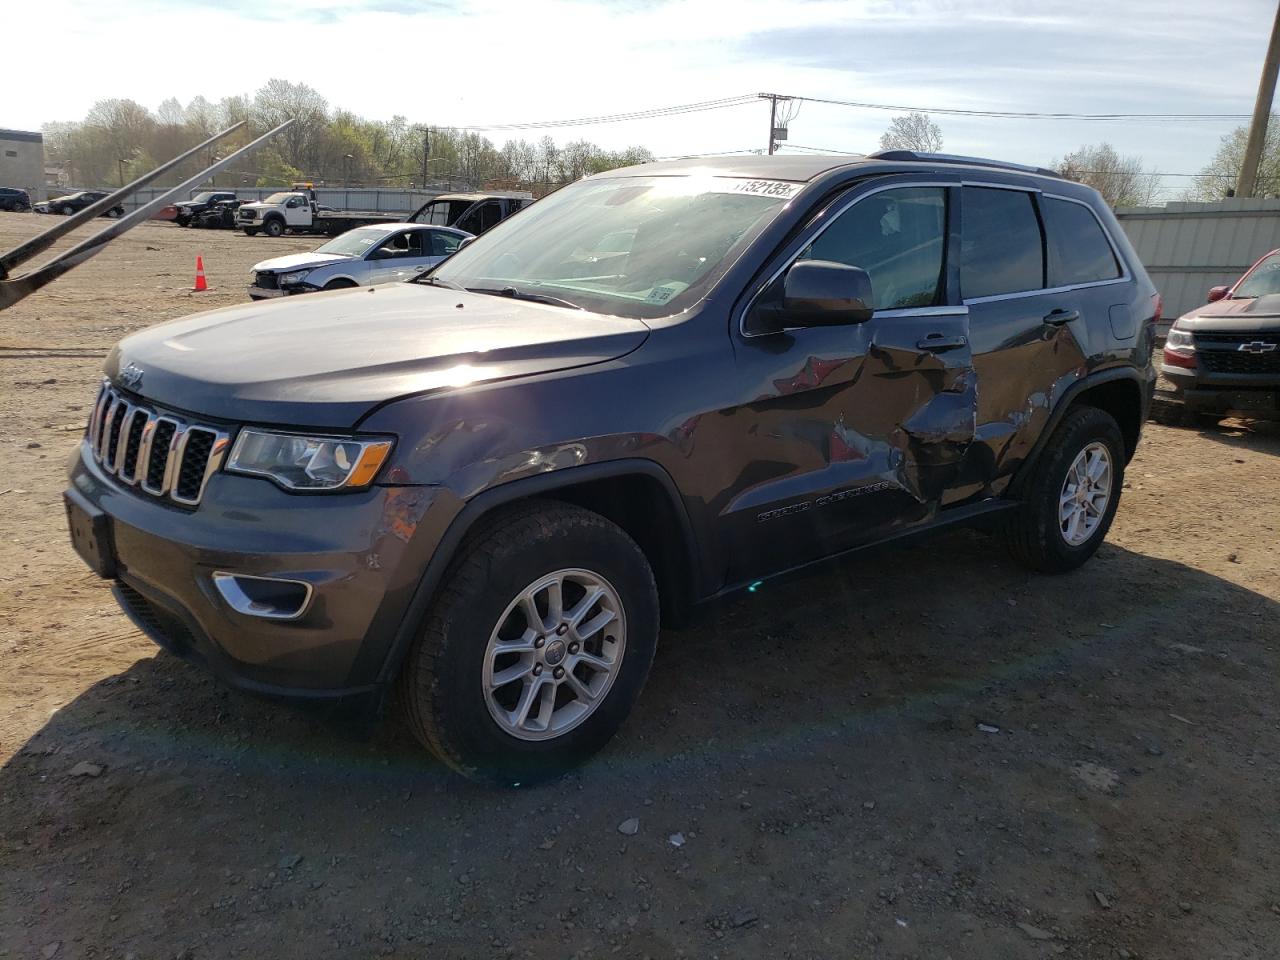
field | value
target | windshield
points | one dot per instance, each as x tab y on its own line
278	198
630	246
355	242
203	197
1264	279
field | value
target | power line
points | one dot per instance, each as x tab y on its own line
676	110
1029	114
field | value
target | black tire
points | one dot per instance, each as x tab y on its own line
1032	532
250	231
440	686
66	211
182	221
342	283
112	214
273	227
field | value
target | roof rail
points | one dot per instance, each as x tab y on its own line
922	157
13	289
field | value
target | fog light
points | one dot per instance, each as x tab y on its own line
271	598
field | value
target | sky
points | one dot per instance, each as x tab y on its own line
478	63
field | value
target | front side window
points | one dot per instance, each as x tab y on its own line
1001	249
668	239
402	245
1263	280
899	238
1078	249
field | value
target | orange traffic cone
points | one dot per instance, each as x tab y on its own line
200	284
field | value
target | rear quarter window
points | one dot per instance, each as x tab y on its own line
1002	250
1079	251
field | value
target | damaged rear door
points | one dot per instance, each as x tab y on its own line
854	431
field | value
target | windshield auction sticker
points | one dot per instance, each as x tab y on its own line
766	188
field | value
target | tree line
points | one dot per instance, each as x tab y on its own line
1124	180
119	140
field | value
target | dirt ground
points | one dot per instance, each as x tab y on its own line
922	753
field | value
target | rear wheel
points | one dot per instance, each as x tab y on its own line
250	231
1072	495
536	646
273	228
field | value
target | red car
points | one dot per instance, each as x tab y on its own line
1224	358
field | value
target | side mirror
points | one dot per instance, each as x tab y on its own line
465	241
1217	293
820	293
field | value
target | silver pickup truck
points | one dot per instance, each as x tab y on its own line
358	258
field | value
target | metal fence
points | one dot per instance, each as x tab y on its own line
1189	247
371	199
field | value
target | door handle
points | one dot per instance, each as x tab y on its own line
1058	317
937	343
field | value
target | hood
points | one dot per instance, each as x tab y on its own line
325	359
298	261
1247	315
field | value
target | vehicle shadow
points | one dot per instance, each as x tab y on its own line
1262	436
912	751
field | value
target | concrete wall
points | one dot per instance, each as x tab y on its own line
22	162
1189	247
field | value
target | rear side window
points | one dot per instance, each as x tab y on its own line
1001	250
898	237
1078	249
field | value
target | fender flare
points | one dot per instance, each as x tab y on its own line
1109	375
495	497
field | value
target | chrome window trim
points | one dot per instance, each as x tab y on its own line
811	238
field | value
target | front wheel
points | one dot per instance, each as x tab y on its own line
67	211
273	228
342	283
1072	495
536	646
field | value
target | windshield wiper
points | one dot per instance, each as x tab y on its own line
515	294
437	282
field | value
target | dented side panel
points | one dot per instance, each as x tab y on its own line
853	432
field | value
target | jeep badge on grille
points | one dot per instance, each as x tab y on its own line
131	376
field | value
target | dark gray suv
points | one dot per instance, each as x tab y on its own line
484	490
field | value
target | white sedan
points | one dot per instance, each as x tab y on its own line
362	257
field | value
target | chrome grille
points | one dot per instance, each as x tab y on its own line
156	452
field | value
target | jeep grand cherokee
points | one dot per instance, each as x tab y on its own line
485	489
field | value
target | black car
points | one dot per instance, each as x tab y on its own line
75	202
14	200
189	210
484	490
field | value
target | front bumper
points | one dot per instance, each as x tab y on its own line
361	554
1248	395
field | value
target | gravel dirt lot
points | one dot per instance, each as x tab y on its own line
922	753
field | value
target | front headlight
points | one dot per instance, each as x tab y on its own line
302	462
289	279
1180	341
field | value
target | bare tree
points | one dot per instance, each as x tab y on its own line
1222	172
280	100
1121	180
914	131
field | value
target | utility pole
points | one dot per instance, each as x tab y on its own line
426	151
1247	185
775	134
